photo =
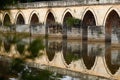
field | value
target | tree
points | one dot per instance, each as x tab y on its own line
35	47
4	3
73	22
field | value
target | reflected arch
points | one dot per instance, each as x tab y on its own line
20	20
88	58
110	64
7	20
89	20
112	26
52	48
71	55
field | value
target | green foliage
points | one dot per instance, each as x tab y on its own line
5	3
70	21
17	65
12	39
0	41
73	22
7	46
36	75
0	22
8	24
20	48
27	73
35	46
71	57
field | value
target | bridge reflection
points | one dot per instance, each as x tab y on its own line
84	56
87	57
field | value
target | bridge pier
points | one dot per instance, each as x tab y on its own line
101	68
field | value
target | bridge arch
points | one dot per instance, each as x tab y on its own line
50	21
93	13
20	18
7	19
67	13
112	24
89	20
34	18
108	12
49	12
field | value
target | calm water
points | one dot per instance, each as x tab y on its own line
72	52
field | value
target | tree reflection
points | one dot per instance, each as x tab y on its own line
35	47
53	48
72	52
21	47
9	40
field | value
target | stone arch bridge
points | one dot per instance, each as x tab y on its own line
98	21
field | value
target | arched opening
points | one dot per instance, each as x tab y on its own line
35	27
88	21
6	21
20	20
34	19
112	27
50	23
112	60
67	15
65	25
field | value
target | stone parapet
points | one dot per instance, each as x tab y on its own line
63	3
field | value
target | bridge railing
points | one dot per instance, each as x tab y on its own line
45	4
62	3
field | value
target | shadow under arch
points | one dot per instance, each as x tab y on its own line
112	25
34	19
50	22
64	13
20	19
88	21
7	20
66	28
